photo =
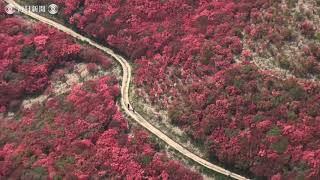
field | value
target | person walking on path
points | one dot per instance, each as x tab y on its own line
131	108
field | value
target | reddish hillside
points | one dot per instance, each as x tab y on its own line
242	120
185	51
248	118
81	135
75	134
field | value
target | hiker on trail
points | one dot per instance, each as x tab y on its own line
130	108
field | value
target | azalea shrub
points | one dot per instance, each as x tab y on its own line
29	53
286	33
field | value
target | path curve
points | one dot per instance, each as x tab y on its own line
125	93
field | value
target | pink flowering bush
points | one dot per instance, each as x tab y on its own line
29	53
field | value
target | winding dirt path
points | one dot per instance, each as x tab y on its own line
125	93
